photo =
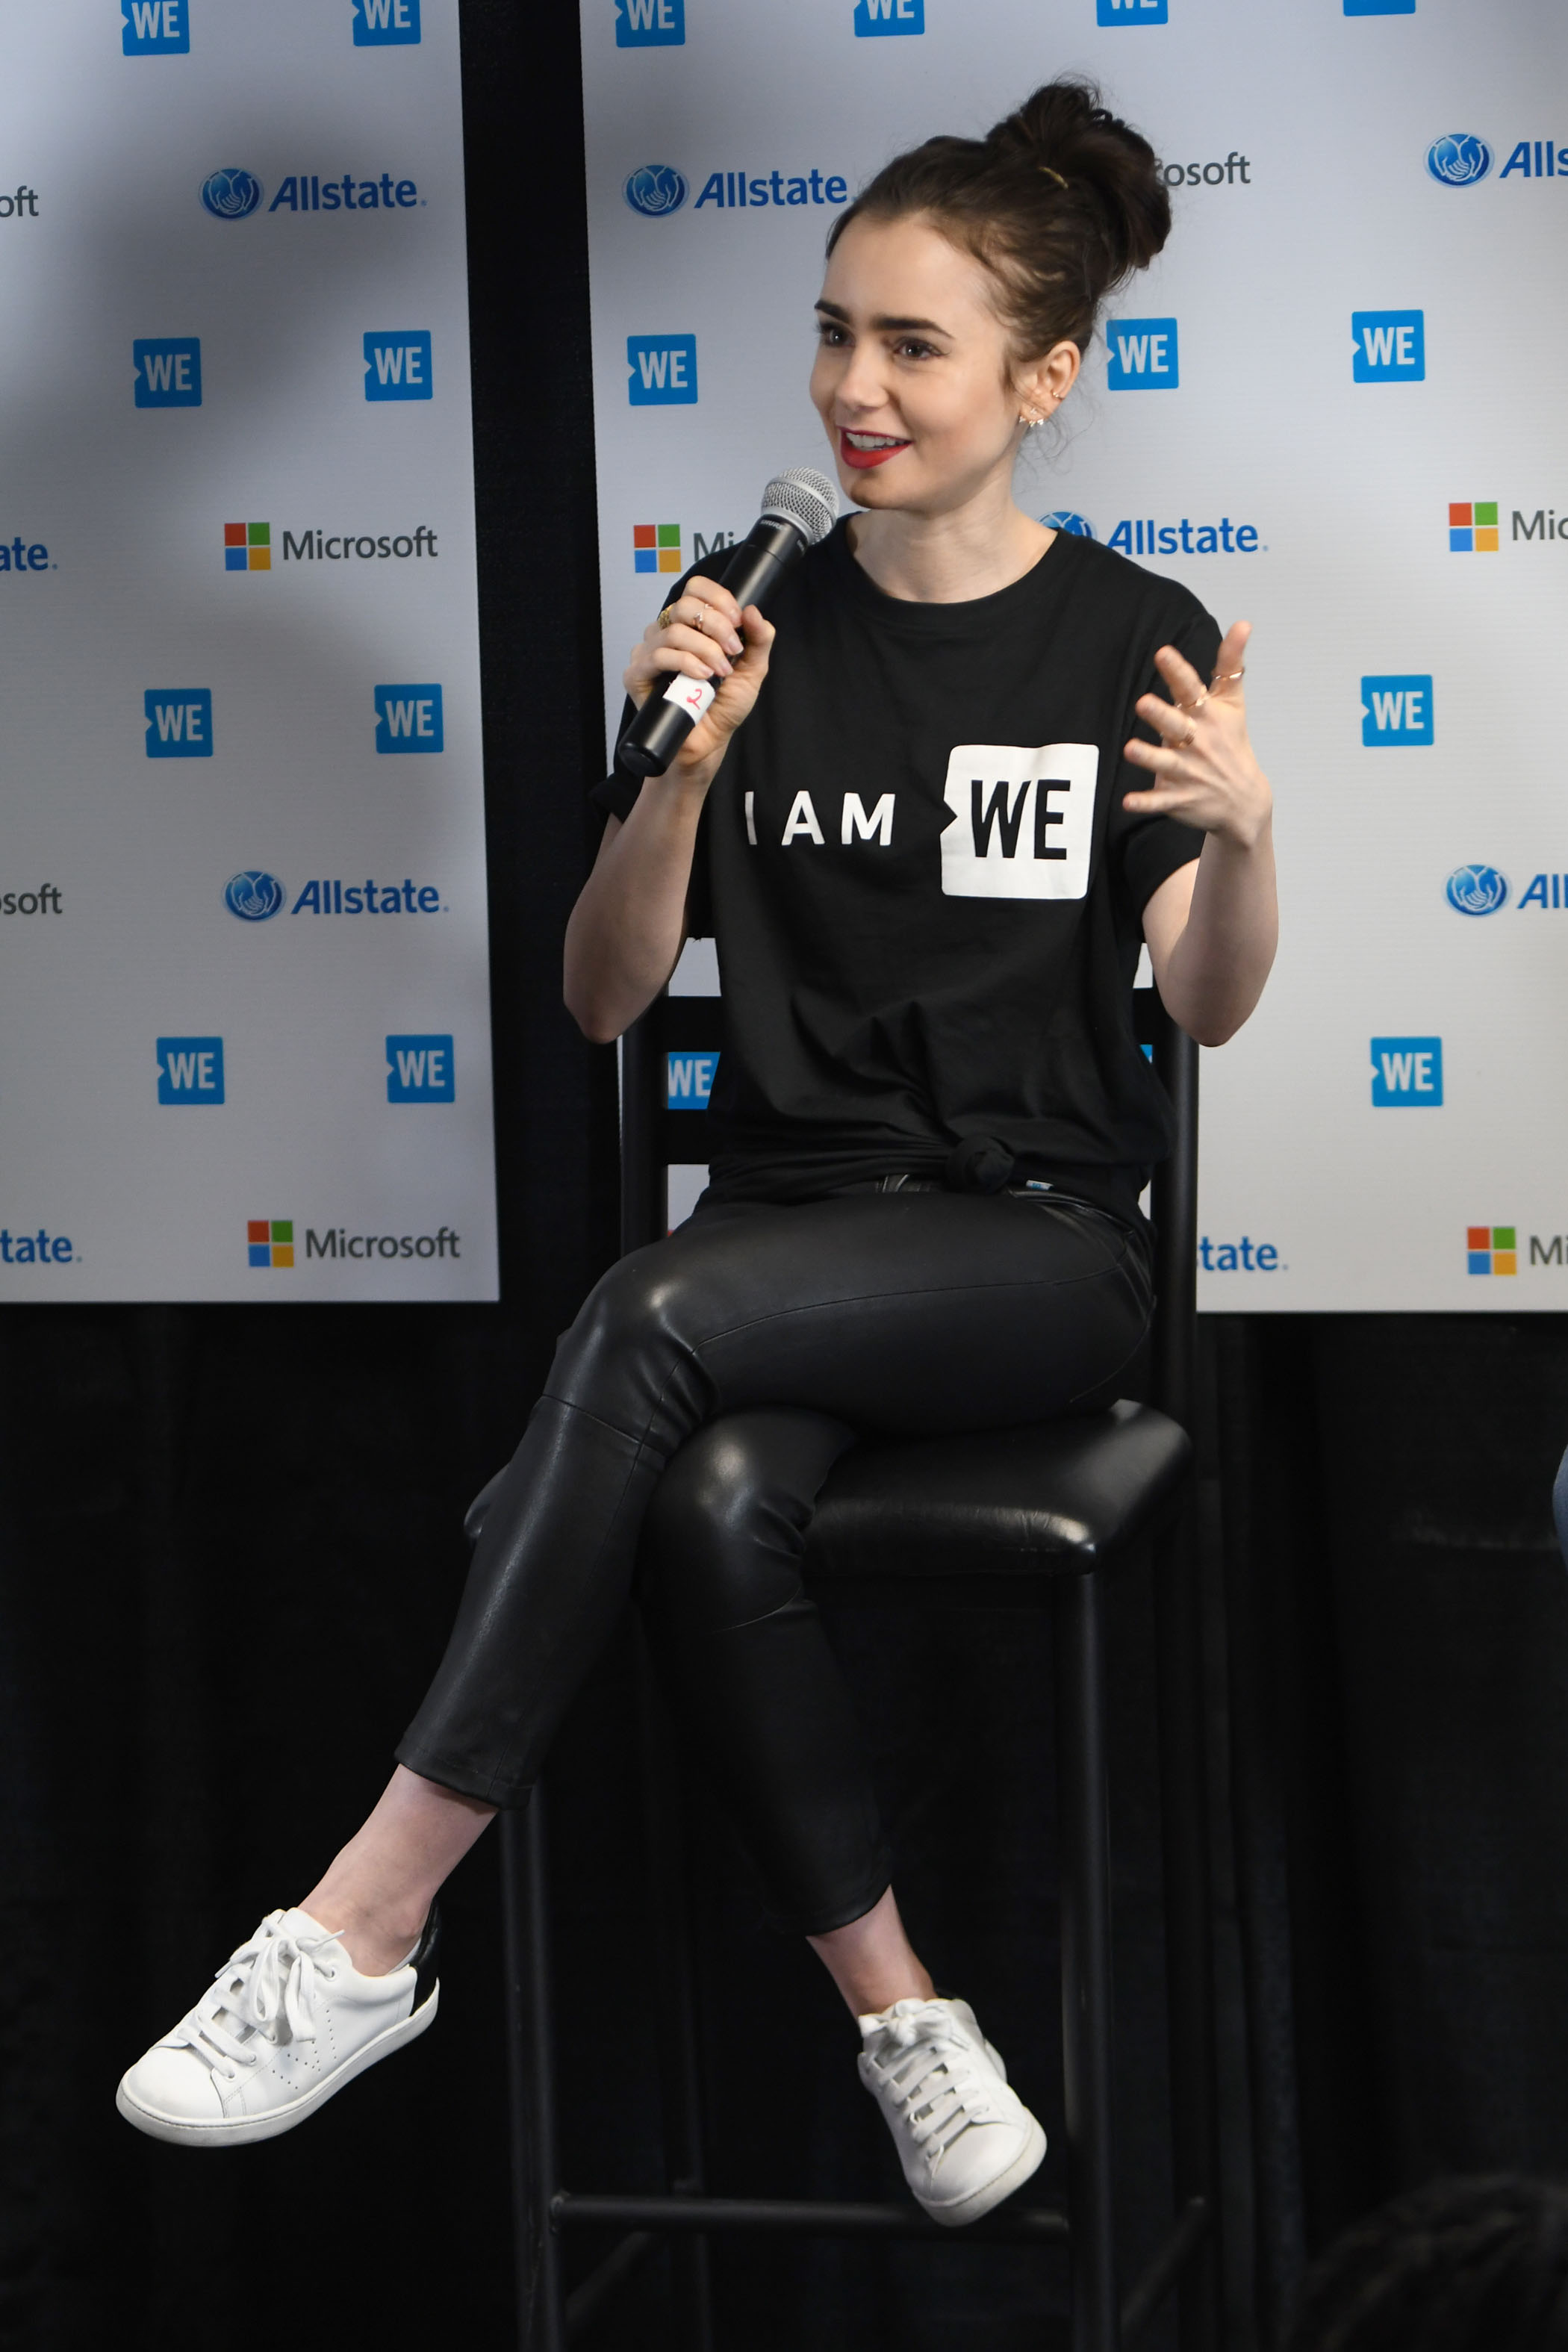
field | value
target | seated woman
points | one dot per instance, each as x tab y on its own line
933	812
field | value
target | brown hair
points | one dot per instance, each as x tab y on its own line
1060	201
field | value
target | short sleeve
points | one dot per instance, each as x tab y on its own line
1150	849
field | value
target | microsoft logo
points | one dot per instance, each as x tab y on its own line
1472	531
247	547
655	547
270	1240
1493	1249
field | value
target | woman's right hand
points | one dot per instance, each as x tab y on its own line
701	638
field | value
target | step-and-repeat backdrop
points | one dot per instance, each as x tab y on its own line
1333	407
244	1029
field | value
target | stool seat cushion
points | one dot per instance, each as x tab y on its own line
1055	1498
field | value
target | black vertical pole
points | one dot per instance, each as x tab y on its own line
530	2061
679	2045
1084	1836
1184	1779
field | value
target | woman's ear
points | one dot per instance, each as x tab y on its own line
1044	383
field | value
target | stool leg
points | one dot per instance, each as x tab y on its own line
680	2056
1084	1839
531	2080
1189	1957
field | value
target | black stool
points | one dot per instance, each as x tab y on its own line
1041	1510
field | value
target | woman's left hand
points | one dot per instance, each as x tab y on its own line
1203	769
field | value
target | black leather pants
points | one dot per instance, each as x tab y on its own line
692	1412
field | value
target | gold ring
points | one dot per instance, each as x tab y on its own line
1227	679
1198	704
666	618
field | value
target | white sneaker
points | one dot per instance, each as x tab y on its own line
288	2021
964	2139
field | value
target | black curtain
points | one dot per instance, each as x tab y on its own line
1397	1633
229	1547
230	1537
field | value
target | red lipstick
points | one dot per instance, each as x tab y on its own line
863	458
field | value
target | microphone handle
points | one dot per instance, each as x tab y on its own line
667	718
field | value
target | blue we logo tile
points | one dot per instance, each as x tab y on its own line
1144	355
168	371
1132	12
156	28
409	719
398	365
1380	7
663	370
179	722
1395	711
875	19
689	1080
190	1071
420	1070
1390	346
1407	1073
385	24
650	23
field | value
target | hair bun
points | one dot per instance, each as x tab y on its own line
1061	202
1066	133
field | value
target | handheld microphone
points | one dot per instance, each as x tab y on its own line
798	509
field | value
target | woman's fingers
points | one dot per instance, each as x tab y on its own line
1179	676
1230	661
1158	802
710	611
707	650
1173	724
759	636
649	664
681	651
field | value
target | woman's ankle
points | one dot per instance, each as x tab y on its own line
872	1961
376	1940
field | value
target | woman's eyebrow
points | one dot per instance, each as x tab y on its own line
886	323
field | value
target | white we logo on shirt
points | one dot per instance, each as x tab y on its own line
1020	820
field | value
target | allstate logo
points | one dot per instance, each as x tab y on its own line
254	895
1476	889
1459	159
1077	525
231	194
656	189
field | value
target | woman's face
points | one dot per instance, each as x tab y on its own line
913	378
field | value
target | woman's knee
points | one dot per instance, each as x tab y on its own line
628	1355
726	1529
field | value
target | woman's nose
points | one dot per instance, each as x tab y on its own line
861	385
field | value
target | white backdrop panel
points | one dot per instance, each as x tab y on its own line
135	963
1297	142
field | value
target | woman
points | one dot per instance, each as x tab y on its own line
930	855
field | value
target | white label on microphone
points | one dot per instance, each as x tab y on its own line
694	695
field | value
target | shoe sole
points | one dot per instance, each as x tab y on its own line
981	2201
246	2128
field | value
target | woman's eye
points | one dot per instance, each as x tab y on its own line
828	332
909	350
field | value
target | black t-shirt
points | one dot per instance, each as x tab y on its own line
925	893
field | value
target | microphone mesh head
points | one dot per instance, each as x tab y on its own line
807	500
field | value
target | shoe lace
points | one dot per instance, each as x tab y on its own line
930	2061
267	1989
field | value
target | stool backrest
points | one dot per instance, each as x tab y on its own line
667	1059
